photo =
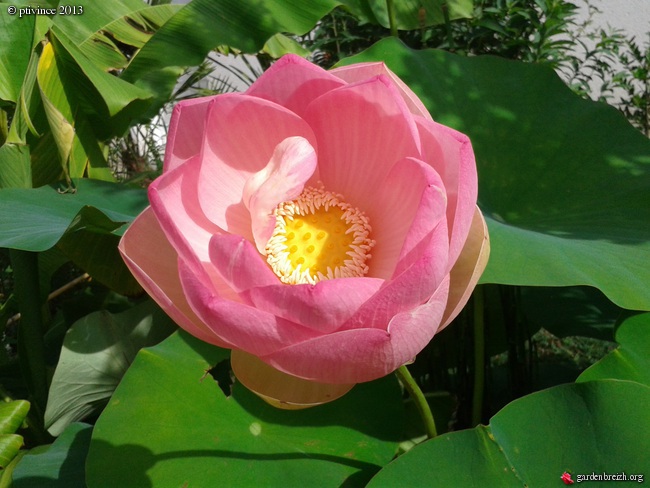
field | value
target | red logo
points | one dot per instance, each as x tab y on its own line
566	477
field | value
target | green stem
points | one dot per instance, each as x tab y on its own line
420	401
31	330
391	18
450	36
479	356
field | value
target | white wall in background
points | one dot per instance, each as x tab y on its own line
633	16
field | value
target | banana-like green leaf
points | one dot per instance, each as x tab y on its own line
103	97
28	102
412	14
12	415
10	444
279	45
15	164
15	48
202	25
15	169
84	106
103	33
58	108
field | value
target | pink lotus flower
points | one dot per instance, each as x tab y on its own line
321	225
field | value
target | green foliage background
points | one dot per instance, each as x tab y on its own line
104	393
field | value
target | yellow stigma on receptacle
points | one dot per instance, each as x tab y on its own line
318	236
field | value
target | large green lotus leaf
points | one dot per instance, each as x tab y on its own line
35	219
170	424
600	426
631	361
60	465
563	182
97	351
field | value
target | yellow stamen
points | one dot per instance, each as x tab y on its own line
317	237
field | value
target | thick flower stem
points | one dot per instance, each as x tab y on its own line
420	401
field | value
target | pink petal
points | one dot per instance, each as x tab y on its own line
157	272
408	206
469	267
280	389
322	307
250	329
173	198
185	133
411	287
362	71
354	356
293	83
417	259
362	130
450	153
241	134
239	264
282	179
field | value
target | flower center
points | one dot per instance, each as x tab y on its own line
318	236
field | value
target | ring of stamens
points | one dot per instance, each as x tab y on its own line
318	236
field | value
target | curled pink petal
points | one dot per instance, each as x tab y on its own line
293	163
228	159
